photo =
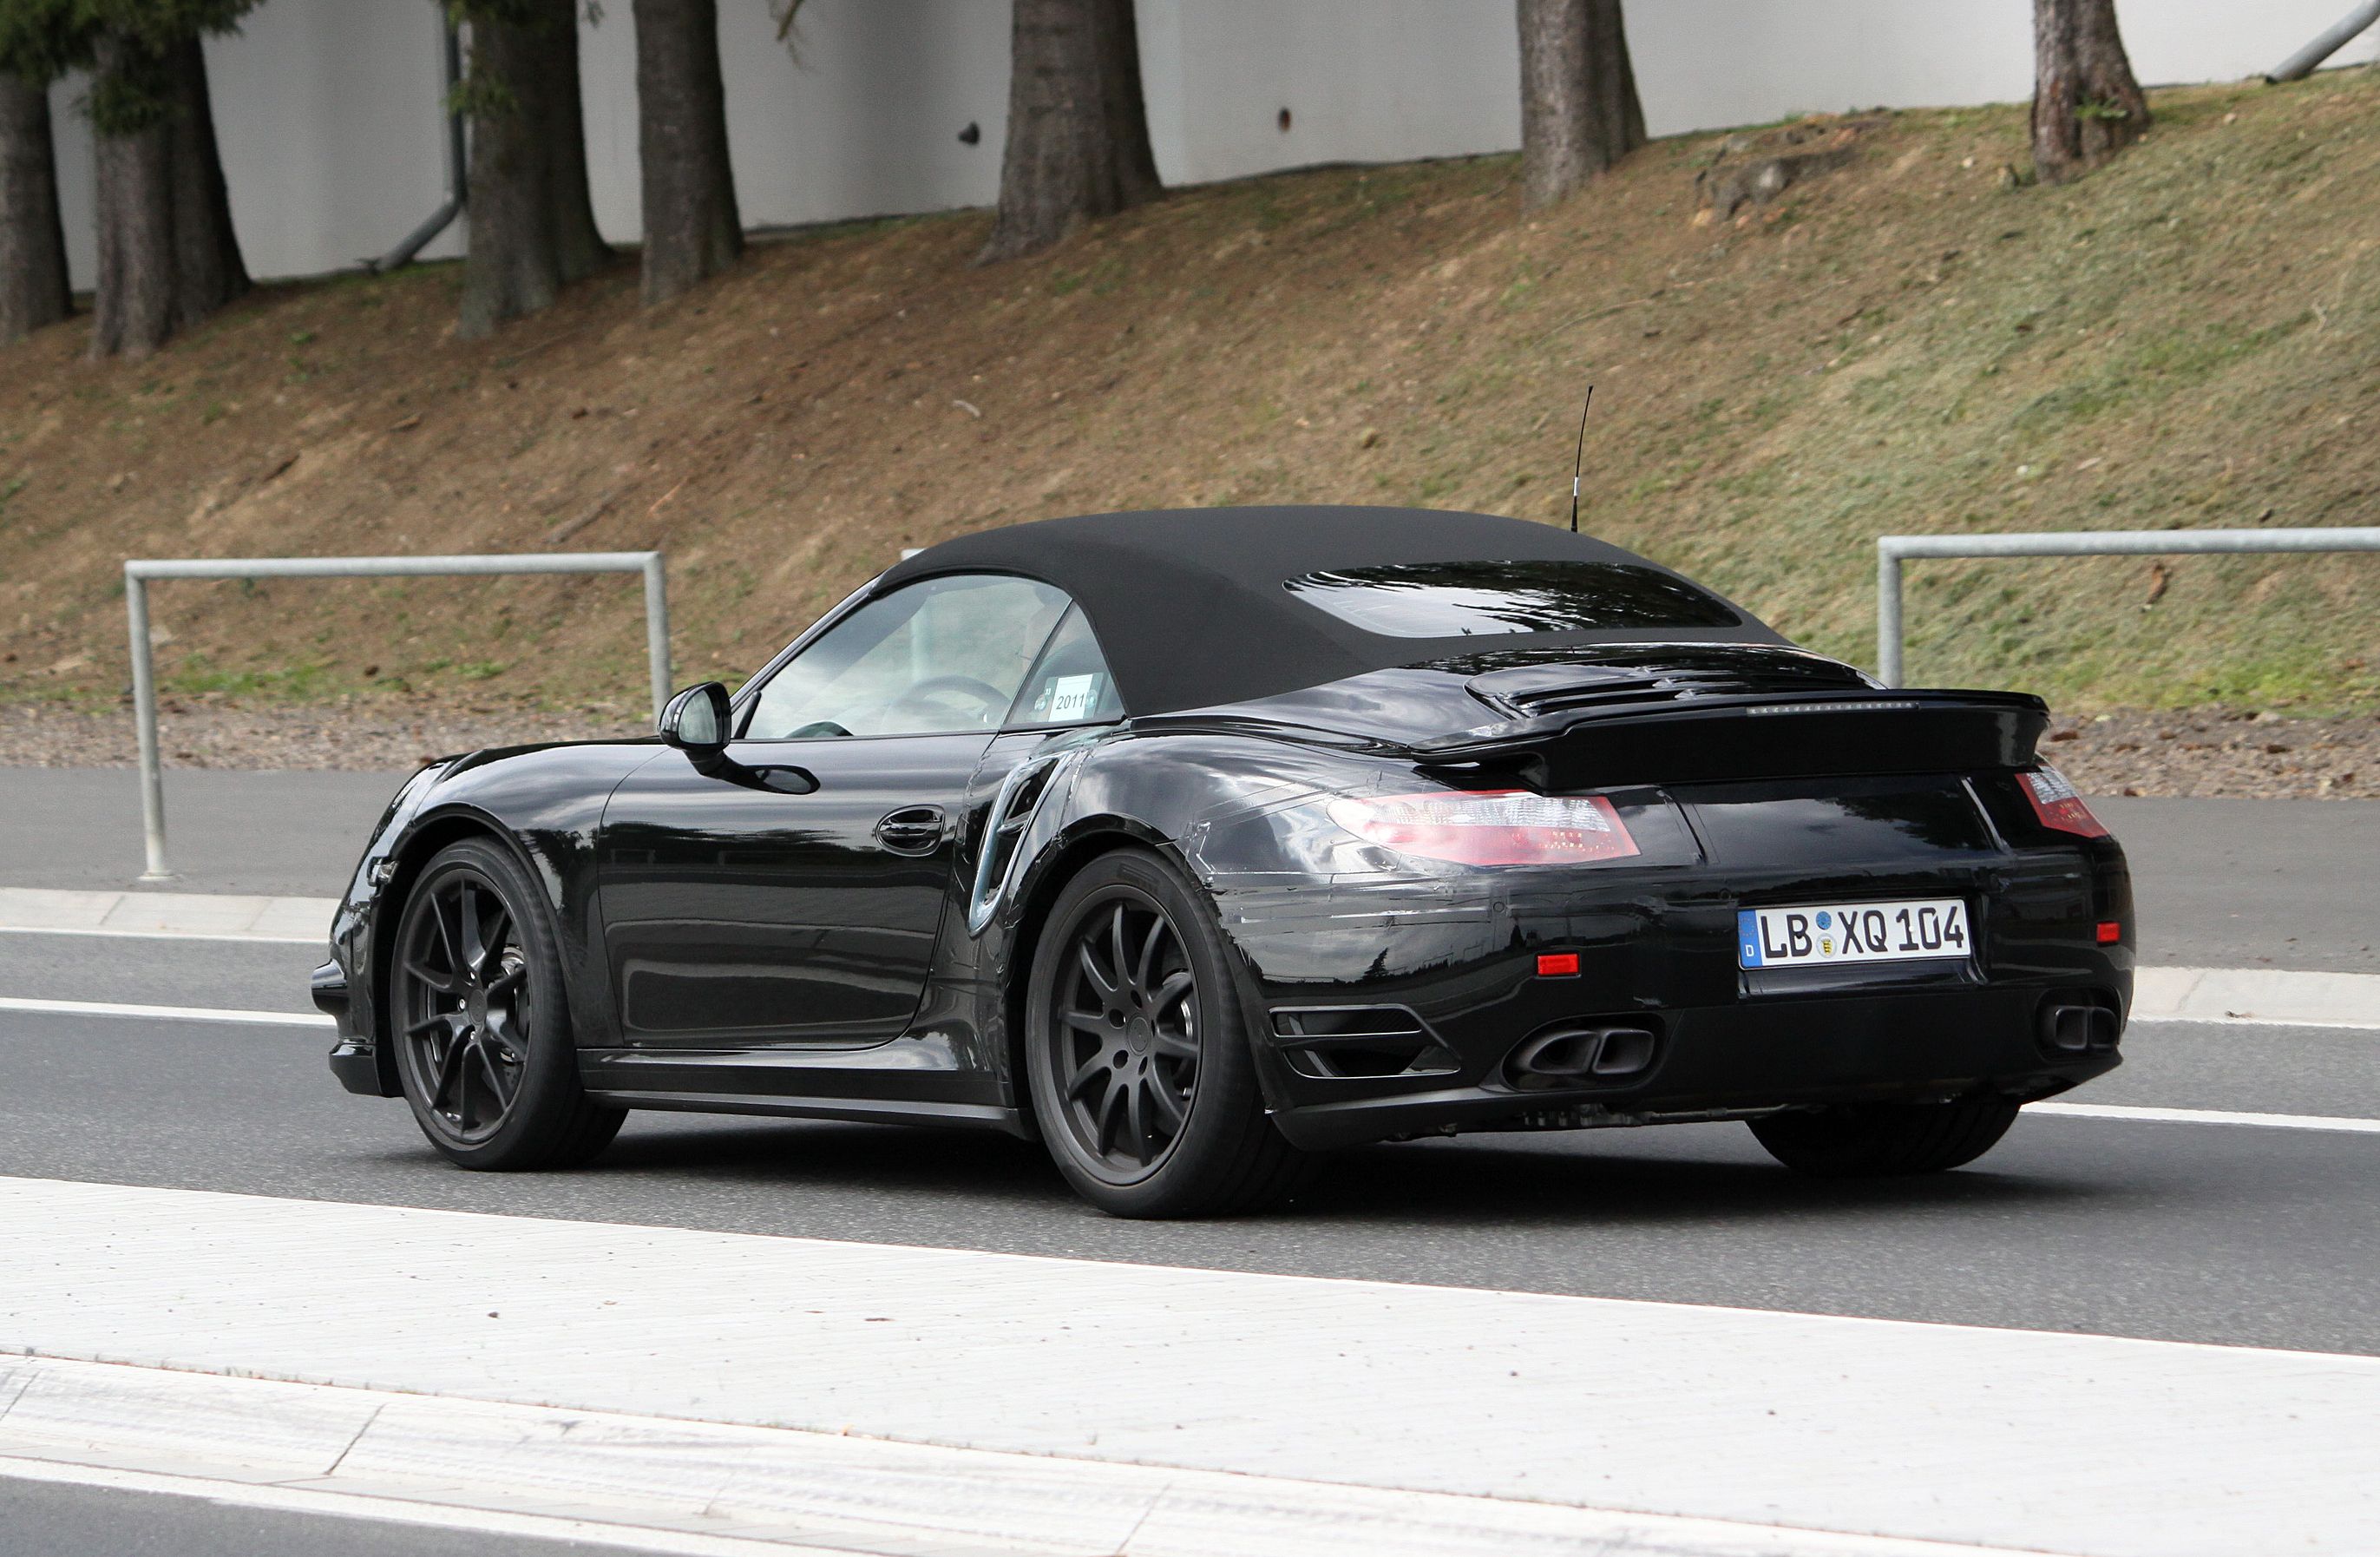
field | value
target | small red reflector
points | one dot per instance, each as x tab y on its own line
1557	965
2110	933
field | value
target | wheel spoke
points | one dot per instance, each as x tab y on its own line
435	1019
1116	957
1099	981
443	983
473	944
1086	1022
497	941
1136	1118
500	1086
1173	988
450	1071
508	983
1090	1070
1111	1114
1173	1045
447	939
1157	928
1167	1107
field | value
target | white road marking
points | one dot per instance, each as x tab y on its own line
1749	1417
2076	1111
2208	1116
166	935
166	1013
281	1445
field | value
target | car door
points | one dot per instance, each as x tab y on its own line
790	890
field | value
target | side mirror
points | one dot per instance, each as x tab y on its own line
695	721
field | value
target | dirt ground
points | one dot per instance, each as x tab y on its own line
1914	342
2193	753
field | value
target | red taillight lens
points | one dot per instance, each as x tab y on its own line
2110	931
1491	827
2057	803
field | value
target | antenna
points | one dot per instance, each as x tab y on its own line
1578	461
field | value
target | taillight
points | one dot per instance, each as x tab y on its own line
2057	803
1490	827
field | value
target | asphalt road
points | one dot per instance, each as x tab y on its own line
2229	1235
47	1519
2171	1230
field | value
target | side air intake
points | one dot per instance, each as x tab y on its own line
1343	1042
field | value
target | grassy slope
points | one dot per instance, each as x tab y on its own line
2186	339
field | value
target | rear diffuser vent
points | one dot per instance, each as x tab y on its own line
1342	1042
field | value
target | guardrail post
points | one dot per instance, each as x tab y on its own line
144	724
1888	613
657	651
1893	551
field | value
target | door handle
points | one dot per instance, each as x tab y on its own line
912	829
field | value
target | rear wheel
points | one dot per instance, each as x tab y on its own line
481	1022
1142	1077
1876	1140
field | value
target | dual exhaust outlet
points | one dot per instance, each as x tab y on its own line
2069	1026
1582	1054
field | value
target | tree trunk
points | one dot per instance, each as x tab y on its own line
532	222
1069	159
692	230
2087	105
1127	105
580	244
1579	108
167	254
32	243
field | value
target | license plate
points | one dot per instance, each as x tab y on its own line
1851	933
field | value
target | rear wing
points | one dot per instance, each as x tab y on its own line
1813	734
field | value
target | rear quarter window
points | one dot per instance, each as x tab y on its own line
1485	599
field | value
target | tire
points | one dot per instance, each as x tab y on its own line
1878	1141
1138	1061
481	1022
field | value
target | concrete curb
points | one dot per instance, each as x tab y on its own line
2269	996
800	1489
200	916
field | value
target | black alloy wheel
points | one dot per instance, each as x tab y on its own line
1142	1083
480	1021
1127	1033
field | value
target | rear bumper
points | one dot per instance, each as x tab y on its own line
1735	1060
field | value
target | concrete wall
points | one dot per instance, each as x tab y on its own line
329	109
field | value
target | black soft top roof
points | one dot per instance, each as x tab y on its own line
1190	605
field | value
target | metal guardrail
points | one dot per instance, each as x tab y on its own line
139	571
1891	551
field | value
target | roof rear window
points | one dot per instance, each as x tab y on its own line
1475	599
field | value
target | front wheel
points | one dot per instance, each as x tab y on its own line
480	1021
1876	1140
1142	1078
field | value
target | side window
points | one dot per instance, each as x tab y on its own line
942	656
1070	684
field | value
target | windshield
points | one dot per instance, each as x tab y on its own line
1469	599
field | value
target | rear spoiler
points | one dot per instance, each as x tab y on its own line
1816	734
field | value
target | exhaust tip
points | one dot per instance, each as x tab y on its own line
1581	1053
2073	1023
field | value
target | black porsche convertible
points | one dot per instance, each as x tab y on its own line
1195	843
